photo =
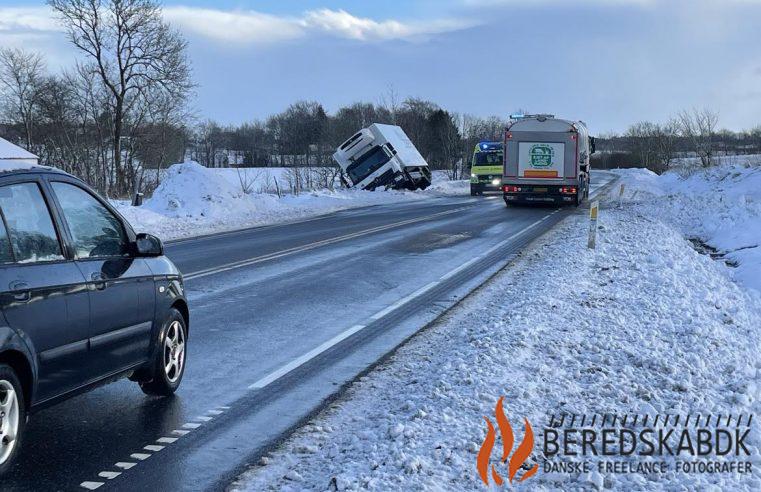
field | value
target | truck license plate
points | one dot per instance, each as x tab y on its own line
540	190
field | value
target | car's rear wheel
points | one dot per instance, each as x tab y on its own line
168	367
12	416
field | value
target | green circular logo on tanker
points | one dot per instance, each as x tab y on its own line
541	155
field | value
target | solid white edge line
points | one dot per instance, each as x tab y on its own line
307	247
404	300
460	268
274	376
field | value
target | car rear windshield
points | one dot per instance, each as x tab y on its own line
487	159
367	164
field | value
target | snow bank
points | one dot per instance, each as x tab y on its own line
720	205
647	325
194	200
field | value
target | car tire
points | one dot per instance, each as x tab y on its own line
12	416
165	372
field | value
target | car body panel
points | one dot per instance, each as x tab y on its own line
86	321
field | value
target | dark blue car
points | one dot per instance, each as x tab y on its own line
83	300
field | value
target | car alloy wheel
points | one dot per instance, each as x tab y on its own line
9	420
174	351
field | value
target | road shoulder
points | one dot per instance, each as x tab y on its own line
643	325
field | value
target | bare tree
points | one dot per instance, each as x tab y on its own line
132	51
699	127
22	75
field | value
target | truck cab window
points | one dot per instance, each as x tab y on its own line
95	231
32	233
367	164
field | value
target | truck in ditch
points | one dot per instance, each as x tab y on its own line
382	156
547	160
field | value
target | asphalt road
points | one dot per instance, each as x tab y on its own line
282	317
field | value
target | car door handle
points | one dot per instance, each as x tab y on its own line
21	291
99	280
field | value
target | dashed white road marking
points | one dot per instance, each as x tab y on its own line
140	456
153	448
191	425
167	440
125	465
294	364
91	485
109	474
274	376
215	412
203	418
180	432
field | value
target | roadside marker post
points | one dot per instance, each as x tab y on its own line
594	208
621	194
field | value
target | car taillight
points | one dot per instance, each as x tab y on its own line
570	190
511	189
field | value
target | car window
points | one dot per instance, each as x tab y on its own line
95	231
5	244
32	233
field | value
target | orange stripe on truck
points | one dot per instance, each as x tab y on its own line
540	174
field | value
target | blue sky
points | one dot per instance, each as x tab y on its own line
609	62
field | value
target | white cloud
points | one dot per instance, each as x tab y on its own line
246	27
19	19
251	27
343	24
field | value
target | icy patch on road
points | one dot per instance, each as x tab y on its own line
194	200
720	205
646	325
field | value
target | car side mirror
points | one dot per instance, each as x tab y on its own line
592	145
148	245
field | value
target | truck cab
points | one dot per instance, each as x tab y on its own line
547	160
382	156
486	168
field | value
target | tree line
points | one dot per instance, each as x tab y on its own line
656	146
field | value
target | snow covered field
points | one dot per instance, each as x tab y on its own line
644	325
721	206
193	200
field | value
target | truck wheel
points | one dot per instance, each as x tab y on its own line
168	366
12	416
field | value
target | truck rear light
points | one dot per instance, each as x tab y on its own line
511	189
568	190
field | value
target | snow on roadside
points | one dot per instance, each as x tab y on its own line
646	325
194	200
720	205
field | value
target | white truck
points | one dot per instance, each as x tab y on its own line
546	160
382	156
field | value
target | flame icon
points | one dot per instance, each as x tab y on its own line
518	458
